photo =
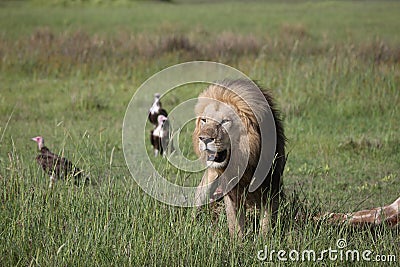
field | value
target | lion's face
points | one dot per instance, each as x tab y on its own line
216	128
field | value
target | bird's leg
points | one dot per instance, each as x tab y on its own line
155	152
52	181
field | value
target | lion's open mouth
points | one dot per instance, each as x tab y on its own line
217	156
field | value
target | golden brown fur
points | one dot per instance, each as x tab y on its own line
227	127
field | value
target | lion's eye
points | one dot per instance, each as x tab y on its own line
225	122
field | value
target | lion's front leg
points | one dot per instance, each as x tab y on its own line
270	214
206	188
236	214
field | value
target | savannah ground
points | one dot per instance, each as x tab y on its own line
68	72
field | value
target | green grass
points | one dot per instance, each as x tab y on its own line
68	73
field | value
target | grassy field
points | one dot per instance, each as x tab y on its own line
68	74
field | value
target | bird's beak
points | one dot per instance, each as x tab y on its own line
34	139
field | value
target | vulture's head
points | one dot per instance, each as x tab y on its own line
39	140
157	99
161	119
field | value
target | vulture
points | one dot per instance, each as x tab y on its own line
156	110
159	136
55	166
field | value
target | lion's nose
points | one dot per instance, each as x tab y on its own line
206	140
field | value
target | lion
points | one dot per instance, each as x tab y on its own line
227	137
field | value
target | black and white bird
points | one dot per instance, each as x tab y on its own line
160	137
55	166
156	110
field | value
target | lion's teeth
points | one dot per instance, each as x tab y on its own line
211	157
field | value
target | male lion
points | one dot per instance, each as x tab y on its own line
228	133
